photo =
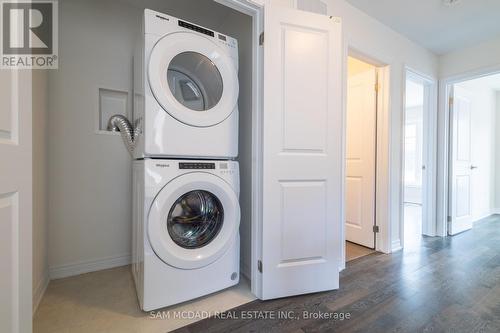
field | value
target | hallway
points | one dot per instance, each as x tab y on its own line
448	284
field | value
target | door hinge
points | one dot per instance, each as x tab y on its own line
259	266
376	87
451	101
261	39
449	219
376	229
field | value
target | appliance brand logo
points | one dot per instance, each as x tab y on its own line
29	34
163	165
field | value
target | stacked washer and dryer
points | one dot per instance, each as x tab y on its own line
186	183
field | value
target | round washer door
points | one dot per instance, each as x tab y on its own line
193	220
193	79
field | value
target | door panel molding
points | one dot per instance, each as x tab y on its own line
16	212
302	165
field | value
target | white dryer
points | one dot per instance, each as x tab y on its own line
185	90
185	229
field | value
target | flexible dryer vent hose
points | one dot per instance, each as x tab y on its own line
120	123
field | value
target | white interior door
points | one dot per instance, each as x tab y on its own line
302	153
360	155
461	163
15	201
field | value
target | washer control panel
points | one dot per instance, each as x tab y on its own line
196	165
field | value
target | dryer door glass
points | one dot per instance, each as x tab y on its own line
195	219
195	81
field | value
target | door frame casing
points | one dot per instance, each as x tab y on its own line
382	151
444	141
254	9
430	121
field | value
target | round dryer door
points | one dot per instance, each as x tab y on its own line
193	79
193	220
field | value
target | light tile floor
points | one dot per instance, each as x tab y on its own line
106	302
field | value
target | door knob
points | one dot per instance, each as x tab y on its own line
472	167
424	167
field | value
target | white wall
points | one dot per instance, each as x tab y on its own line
90	173
483	121
40	185
469	59
356	66
377	41
497	153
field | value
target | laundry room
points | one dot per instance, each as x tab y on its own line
90	201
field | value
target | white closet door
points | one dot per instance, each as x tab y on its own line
360	153
461	164
302	153
15	201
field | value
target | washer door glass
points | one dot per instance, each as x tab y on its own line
195	219
195	81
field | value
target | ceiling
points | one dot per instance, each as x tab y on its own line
434	25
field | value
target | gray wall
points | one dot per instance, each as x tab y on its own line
89	173
240	27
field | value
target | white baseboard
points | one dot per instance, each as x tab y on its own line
479	217
496	211
88	266
396	245
39	291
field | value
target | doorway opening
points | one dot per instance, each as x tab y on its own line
243	22
474	156
416	154
361	158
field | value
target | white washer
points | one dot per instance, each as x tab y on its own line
186	229
185	90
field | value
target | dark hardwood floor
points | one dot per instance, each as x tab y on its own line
446	285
